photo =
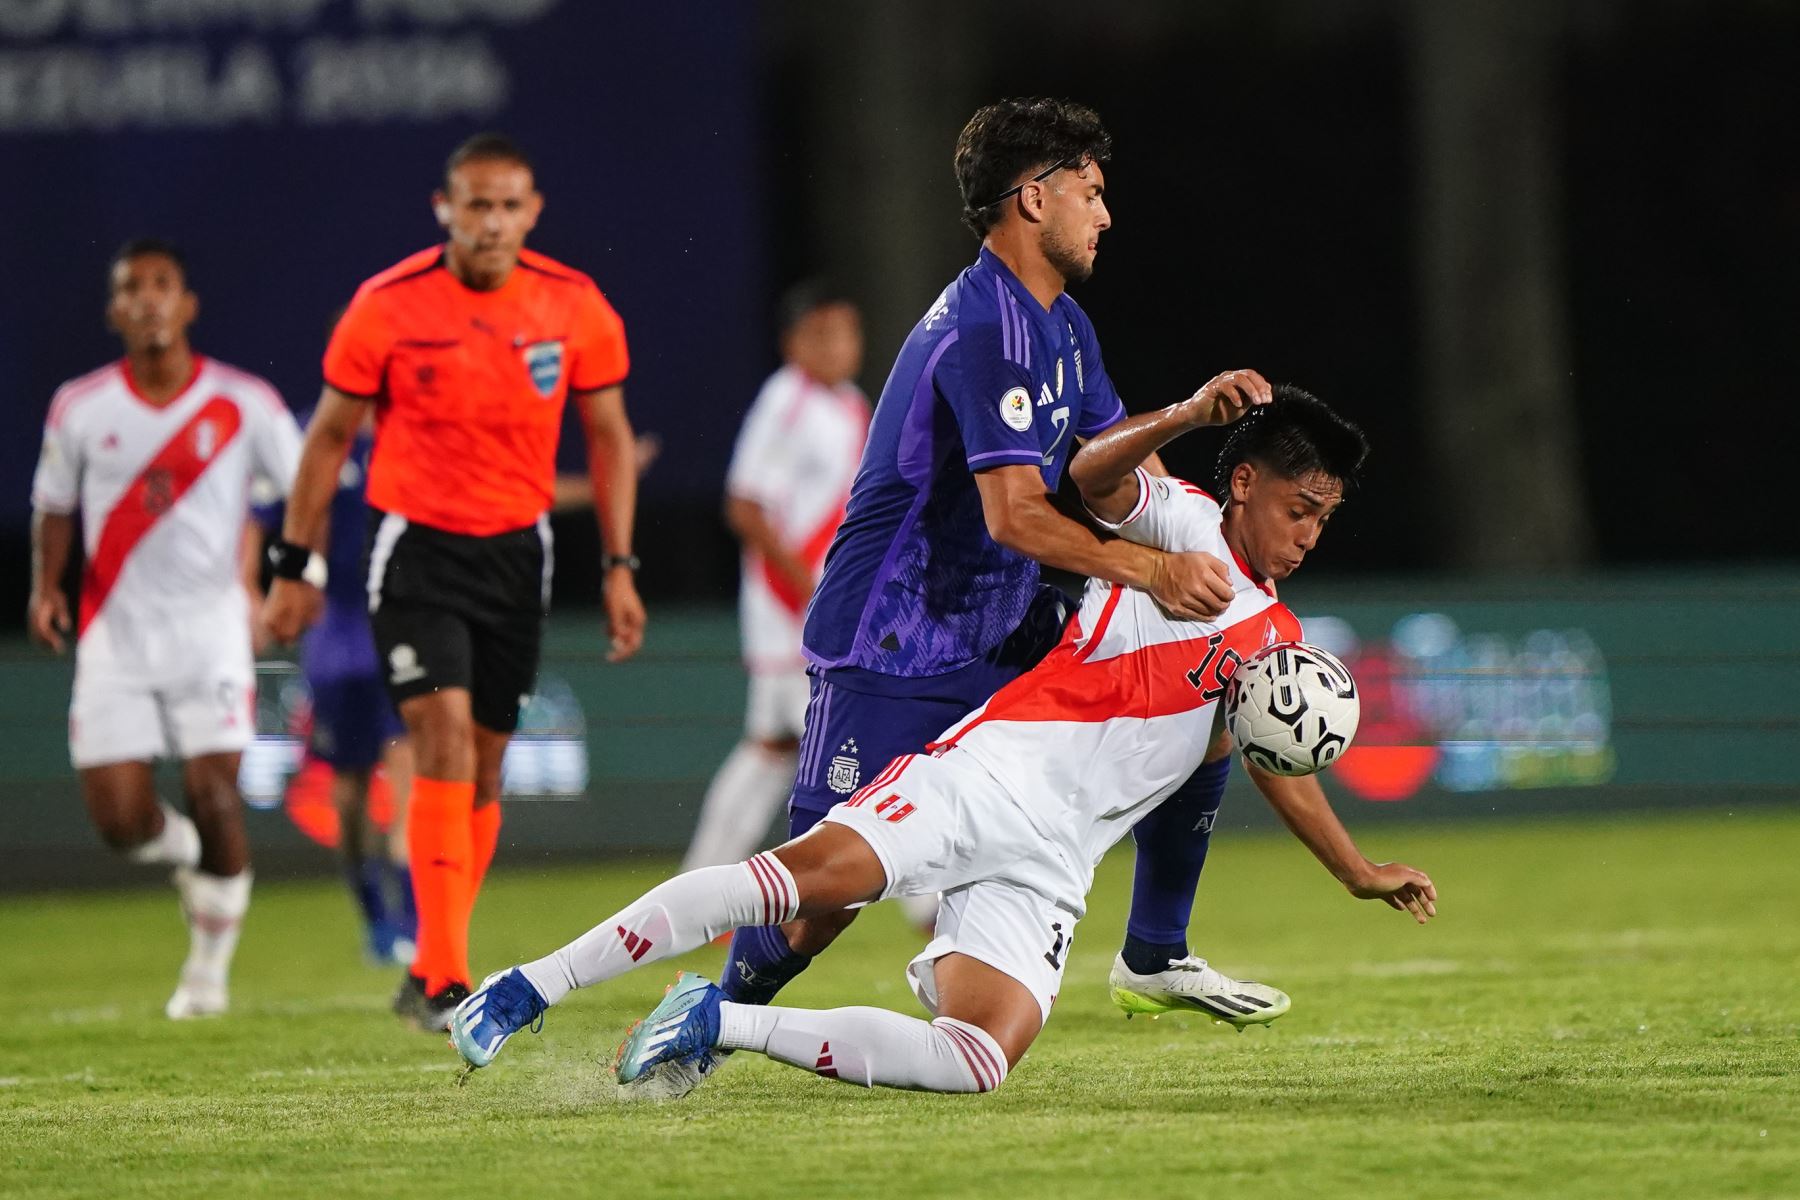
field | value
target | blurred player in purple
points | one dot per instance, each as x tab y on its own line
354	725
930	599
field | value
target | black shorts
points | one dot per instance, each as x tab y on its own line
454	611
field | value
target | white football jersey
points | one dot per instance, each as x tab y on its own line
796	456
164	492
1121	712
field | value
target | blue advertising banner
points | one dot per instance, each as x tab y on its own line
291	146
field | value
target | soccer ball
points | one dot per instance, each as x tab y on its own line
1292	708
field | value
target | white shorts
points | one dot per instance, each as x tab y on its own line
1010	893
776	709
1010	928
117	719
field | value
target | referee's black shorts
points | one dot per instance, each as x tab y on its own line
454	611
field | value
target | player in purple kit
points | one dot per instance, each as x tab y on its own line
354	725
930	599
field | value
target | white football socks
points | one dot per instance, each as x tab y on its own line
671	918
176	844
741	802
868	1046
214	906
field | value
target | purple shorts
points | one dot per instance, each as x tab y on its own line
858	721
352	720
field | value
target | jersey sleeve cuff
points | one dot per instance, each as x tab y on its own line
1137	510
598	387
54	505
1000	458
1095	428
353	393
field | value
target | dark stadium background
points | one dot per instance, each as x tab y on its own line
1629	232
1544	252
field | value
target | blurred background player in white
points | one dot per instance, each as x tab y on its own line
157	452
785	494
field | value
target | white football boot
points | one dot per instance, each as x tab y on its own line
1189	984
196	997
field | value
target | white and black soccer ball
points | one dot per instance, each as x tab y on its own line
1292	708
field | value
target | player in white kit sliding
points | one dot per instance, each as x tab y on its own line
784	498
158	452
1014	806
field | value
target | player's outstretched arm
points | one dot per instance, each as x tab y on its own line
47	614
1105	468
1301	804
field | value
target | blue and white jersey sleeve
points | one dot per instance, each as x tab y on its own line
1170	514
1101	407
988	390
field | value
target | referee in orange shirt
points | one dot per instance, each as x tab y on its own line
468	351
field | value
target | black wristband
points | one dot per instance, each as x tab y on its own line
290	561
628	561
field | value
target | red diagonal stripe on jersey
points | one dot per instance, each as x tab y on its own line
1143	683
823	1066
811	553
162	483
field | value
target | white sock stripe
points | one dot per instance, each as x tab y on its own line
961	1042
783	884
762	887
996	1065
764	880
786	894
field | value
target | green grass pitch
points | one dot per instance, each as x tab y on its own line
1606	1008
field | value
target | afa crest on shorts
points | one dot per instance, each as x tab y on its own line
545	362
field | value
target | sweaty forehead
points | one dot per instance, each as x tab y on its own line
1317	485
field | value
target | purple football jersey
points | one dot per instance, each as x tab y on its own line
913	585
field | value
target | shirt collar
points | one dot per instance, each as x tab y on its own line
1020	292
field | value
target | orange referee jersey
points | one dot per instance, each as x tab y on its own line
469	386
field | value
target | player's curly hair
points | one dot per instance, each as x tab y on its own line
1011	139
1293	435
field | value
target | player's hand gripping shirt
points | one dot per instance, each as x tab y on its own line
796	455
913	585
469	386
1121	712
164	492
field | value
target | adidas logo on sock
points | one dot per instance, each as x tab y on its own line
635	946
823	1066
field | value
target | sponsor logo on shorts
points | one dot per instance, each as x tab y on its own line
1015	409
844	771
403	665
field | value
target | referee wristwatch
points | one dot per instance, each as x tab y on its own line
289	561
628	561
